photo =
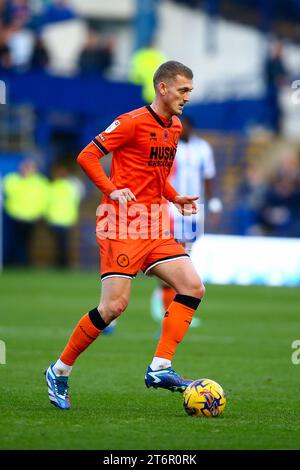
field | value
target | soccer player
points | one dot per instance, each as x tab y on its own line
194	171
143	142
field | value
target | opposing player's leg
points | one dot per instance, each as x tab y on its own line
182	276
115	295
168	294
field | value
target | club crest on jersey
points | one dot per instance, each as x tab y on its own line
165	135
112	126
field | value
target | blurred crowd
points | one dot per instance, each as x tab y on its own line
268	203
29	198
22	44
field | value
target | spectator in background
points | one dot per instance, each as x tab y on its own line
14	14
95	58
5	20
5	56
58	10
5	13
144	62
21	14
280	213
62	210
15	37
275	75
40	56
249	201
25	200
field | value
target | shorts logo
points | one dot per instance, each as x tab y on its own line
112	127
123	261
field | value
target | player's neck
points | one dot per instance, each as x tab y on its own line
161	111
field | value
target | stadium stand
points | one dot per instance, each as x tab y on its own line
54	111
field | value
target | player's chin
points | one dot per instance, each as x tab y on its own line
178	110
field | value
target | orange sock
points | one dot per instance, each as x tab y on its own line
168	294
175	324
86	331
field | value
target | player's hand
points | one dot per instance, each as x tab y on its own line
185	204
122	195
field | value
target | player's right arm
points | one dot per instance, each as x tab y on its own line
116	135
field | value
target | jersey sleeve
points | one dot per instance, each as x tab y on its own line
89	162
169	192
116	135
209	162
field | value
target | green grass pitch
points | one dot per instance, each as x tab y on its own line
244	343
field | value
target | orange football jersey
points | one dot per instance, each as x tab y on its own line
144	147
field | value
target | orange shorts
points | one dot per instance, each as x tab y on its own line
124	258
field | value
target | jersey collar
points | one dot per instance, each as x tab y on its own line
158	119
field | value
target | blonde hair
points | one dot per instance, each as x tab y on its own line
168	71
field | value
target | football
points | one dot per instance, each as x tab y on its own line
204	397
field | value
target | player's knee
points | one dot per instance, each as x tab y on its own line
201	290
113	309
119	306
196	288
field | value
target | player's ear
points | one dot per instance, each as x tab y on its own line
162	88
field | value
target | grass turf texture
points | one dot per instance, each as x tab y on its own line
244	344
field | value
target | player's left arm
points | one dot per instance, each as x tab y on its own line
169	192
184	204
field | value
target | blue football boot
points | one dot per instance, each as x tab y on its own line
110	329
166	378
57	389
